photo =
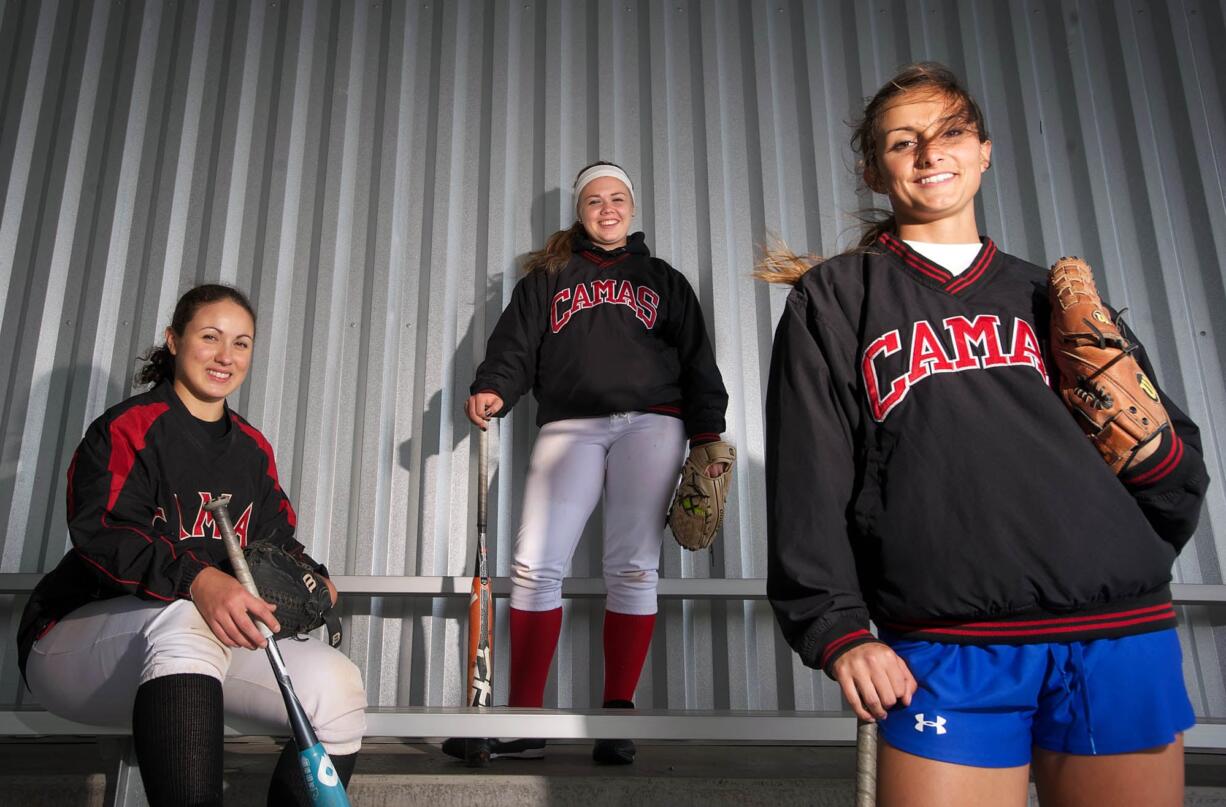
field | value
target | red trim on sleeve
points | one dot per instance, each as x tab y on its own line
1163	468
843	640
266	447
127	434
173	554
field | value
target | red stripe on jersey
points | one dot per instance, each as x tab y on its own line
127	439
914	259
604	261
130	528
1170	463
136	583
953	284
1047	631
266	447
842	640
969	277
72	470
1059	620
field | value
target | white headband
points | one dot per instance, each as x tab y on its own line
598	171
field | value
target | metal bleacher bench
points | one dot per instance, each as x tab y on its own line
731	726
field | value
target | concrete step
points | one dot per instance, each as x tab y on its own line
35	773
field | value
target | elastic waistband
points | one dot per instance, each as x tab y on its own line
1145	614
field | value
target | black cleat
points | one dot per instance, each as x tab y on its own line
613	752
478	751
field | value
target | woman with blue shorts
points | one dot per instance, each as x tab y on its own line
921	472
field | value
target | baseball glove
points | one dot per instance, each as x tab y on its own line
1101	382
697	510
300	594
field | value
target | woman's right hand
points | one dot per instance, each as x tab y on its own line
874	679
227	608
481	407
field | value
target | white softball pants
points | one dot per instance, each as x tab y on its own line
89	666
634	459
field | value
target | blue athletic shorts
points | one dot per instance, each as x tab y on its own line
986	705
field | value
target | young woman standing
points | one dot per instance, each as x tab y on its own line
922	472
612	343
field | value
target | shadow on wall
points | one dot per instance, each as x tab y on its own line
421	629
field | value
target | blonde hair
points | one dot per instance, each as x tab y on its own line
554	256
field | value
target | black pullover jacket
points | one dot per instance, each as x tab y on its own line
613	331
922	471
136	489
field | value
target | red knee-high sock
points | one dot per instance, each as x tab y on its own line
626	639
534	638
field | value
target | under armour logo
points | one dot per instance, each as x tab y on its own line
938	724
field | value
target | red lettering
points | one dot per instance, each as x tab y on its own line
583	298
203	518
241	525
927	353
885	345
929	356
646	309
557	321
643	300
983	331
204	523
1026	347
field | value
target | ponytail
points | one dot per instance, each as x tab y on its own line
158	363
556	252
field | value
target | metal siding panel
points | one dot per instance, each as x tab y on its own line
372	174
235	202
35	96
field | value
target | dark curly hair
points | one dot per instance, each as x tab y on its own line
159	363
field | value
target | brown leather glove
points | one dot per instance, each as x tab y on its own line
697	511
1101	382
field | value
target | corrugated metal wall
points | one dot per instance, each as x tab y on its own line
371	171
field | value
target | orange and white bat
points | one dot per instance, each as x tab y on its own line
481	603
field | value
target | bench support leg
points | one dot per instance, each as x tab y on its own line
124	787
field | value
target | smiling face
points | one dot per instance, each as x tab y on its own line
605	210
211	356
929	162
